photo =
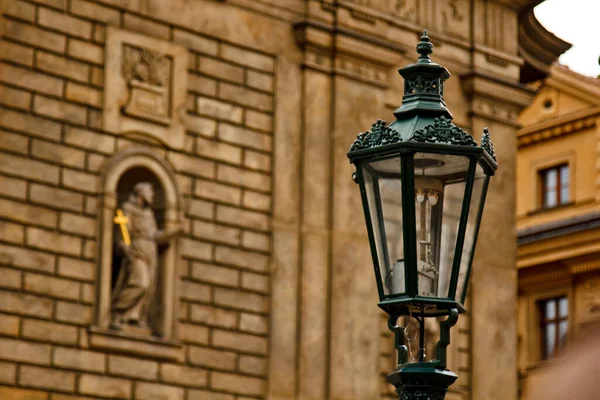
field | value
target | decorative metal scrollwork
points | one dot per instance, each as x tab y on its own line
486	143
443	131
379	135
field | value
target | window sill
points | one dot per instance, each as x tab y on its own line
130	343
548	209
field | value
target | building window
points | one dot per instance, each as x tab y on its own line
554	315
555	186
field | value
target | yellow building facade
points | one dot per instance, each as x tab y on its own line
558	221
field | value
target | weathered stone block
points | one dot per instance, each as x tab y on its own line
62	66
81	181
200	208
51	286
12	187
214	232
8	374
218	109
9	325
59	4
180	375
27	213
59	110
240	300
90	140
244	218
253	365
248	57
256	160
64	23
34	126
215	274
200	125
28	168
77	224
143	25
254	323
218	192
257	282
193	333
238	384
11	278
21	10
205	395
25	304
242	258
244	177
245	137
246	97
14	143
46	378
57	153
83	94
59	198
74	313
213	316
192	165
145	390
195	249
222	70
53	241
202	356
47	331
194	291
81	360
256	241
76	268
195	42
218	150
22	351
22	394
35	36
132	367
96	12
32	80
16	98
259	81
257	201
97	385
17	53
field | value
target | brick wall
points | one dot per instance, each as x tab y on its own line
52	154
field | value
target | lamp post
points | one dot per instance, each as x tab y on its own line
423	182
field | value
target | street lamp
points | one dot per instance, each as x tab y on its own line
423	182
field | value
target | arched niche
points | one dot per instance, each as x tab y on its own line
121	173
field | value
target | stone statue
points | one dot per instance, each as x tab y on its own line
140	237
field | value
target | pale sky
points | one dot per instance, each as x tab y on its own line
577	22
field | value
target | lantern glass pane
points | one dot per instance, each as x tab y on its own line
439	190
472	222
384	194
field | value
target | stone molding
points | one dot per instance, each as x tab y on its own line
145	87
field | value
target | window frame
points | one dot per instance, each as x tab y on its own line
544	322
542	173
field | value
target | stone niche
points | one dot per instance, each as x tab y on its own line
161	223
145	87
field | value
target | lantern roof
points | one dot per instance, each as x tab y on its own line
423	116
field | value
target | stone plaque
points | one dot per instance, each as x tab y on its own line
145	87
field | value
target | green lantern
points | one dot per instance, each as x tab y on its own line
423	182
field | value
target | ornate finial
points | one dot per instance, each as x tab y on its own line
424	47
486	143
379	135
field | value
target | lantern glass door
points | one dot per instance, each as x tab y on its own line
477	198
439	191
383	189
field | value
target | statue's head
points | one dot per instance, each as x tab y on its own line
144	191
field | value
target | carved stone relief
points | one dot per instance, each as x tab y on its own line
145	87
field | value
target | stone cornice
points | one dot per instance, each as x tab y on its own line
567	124
545	276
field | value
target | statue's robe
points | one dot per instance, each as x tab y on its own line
136	283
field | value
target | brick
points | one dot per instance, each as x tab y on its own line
240	300
195	42
9	325
202	85
96	12
56	153
219	110
17	53
222	70
22	394
16	98
244	177
192	165
81	360
256	160
11	278
30	124
34	36
86	51
200	125
25	304
104	386
258	120
155	391
253	365
77	224
26	258
81	181
21	10
83	94
194	291
213	316
28	168
219	151
64	23
51	286
76	268
257	201
59	198
32	80
254	323
45	378
143	25
248	57
200	208
204	395
215	274
73	313
243	218
242	258
259	81
218	192
21	212
256	241
8	374
238	384
95	162
13	142
193	334
11	187
240	342
62	66
60	4
59	110
217	233
180	375
18	350
245	137
202	356
257	282
49	331
194	249
132	367
90	140
246	97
